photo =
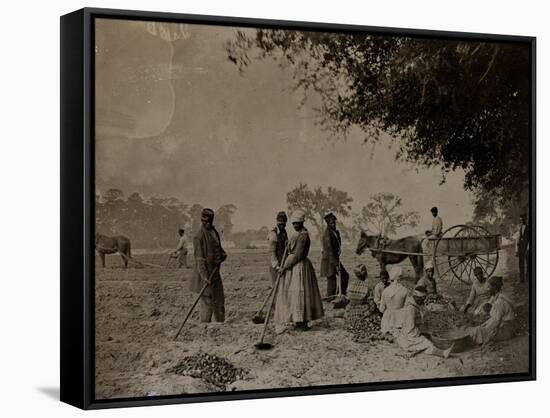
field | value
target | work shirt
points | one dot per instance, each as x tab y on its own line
181	244
437	226
277	239
479	295
500	325
377	293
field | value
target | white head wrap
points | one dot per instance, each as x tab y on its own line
298	216
395	274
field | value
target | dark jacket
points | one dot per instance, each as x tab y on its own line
330	257
209	255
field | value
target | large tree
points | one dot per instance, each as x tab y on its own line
384	216
446	102
316	203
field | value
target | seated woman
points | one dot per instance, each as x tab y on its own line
500	325
358	289
379	288
298	299
393	299
479	293
428	280
410	337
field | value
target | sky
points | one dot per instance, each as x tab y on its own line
174	117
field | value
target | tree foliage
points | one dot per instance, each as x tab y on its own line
446	102
316	203
382	215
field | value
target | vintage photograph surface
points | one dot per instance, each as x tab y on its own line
286	209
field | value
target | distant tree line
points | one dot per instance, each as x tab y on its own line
153	222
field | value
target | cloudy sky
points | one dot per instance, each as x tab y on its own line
174	117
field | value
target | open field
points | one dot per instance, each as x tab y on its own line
138	312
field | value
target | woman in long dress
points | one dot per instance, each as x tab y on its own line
479	293
501	324
393	299
298	299
409	337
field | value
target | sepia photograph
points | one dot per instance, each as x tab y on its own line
283	209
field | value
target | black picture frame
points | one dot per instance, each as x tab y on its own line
77	208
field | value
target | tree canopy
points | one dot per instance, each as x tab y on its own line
316	203
383	216
445	102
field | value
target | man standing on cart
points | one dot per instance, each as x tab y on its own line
436	231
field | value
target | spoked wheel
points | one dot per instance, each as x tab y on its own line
461	249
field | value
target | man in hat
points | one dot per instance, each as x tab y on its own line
209	255
181	250
409	337
500	325
522	247
277	239
428	279
330	257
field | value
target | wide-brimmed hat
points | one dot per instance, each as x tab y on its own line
298	216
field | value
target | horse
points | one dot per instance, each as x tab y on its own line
409	244
111	245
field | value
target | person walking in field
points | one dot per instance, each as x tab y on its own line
298	299
330	257
181	250
277	239
209	255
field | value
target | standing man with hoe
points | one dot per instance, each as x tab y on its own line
277	239
209	255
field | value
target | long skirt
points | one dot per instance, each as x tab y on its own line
391	321
415	343
298	296
486	333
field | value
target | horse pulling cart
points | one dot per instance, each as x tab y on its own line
455	254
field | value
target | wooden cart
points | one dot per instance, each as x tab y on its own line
461	248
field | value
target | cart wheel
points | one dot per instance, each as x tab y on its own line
457	253
488	259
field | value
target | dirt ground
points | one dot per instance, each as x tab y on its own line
139	310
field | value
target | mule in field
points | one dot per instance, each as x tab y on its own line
409	244
112	245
